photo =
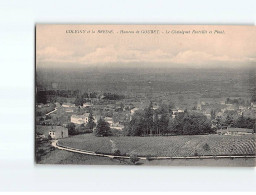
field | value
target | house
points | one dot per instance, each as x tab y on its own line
230	107
214	123
134	110
68	105
55	132
222	102
199	106
85	105
113	125
80	119
57	104
117	126
253	106
109	120
234	131
40	105
69	110
208	116
207	113
155	107
174	111
242	108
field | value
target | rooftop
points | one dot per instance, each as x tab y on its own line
81	116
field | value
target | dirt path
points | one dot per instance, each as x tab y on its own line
55	109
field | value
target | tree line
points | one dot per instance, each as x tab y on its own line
159	122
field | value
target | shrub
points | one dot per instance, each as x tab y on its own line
149	157
49	137
103	128
206	147
71	129
117	152
52	148
134	158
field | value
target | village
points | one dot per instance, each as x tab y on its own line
118	112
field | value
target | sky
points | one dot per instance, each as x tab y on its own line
203	46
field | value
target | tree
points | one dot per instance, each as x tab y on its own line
134	158
163	124
190	124
213	114
172	127
91	124
149	118
229	120
156	124
137	125
171	106
79	101
103	128
72	129
206	147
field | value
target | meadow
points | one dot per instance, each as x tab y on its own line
169	146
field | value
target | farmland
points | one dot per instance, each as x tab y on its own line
65	157
170	146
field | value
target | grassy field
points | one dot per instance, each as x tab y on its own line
66	158
88	142
166	146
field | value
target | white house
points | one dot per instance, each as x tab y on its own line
113	125
55	132
80	119
68	105
87	105
69	110
109	120
134	110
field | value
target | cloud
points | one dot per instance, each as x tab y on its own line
53	54
111	54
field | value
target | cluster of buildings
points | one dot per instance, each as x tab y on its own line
117	113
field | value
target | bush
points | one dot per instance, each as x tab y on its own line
103	129
72	129
49	137
149	157
206	147
52	148
117	152
134	158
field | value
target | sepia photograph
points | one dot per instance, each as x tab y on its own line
145	95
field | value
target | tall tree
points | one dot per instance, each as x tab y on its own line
103	128
163	124
137	125
91	124
149	118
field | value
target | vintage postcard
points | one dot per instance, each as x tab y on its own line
166	95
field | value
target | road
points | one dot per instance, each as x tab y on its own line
55	109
